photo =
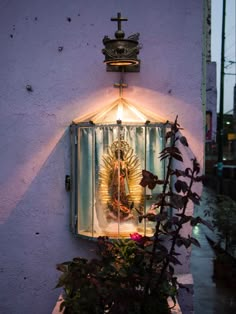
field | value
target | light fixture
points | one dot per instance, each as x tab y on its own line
121	53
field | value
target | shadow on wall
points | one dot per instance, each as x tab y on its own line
35	237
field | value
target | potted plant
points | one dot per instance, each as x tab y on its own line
137	275
224	221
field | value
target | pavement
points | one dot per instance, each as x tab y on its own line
210	297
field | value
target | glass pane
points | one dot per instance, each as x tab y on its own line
85	181
109	167
154	145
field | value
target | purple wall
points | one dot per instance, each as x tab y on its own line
34	139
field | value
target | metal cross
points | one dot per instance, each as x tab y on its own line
119	19
121	85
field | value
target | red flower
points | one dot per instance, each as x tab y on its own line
136	236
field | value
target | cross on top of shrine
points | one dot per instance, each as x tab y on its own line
119	19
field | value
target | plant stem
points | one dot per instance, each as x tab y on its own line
157	228
177	231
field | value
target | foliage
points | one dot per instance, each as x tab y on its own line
137	275
224	220
114	283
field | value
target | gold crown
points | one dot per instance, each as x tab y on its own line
120	145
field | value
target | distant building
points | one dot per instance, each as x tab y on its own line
229	129
228	136
210	91
211	102
234	122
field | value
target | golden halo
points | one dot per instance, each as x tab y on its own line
122	145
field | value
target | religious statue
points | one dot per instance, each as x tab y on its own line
119	182
119	186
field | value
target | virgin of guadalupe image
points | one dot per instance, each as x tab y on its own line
119	189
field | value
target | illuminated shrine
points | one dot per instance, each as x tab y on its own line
109	150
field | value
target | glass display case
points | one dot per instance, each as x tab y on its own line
109	150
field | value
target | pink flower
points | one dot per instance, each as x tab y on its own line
136	236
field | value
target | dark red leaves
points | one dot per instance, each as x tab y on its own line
183	141
194	197
187	241
179	173
177	201
183	218
183	241
199	178
196	166
194	241
181	186
169	135
148	179
149	217
174	260
196	220
172	152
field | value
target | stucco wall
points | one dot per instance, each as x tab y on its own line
34	139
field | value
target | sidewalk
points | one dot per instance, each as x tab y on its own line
209	297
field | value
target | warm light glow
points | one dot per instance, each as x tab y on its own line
120	111
138	113
26	172
125	229
122	62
